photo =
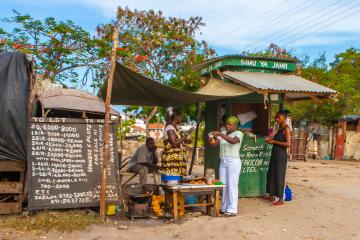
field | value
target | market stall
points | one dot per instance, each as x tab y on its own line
272	82
237	85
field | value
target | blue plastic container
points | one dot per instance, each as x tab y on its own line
170	178
190	199
288	193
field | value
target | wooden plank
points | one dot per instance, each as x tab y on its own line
208	204
12	166
197	192
194	186
217	203
175	206
10	208
11	187
199	205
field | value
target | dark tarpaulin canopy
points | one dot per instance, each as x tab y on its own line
131	88
14	93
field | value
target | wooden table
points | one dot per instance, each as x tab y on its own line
171	197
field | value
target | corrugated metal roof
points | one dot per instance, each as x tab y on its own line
276	82
71	99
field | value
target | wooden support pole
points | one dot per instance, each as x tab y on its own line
106	150
313	97
198	118
282	101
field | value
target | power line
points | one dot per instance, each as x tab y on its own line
251	21
255	31
286	36
336	21
295	26
317	24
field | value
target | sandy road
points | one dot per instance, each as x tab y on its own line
326	205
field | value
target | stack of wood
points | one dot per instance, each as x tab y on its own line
11	186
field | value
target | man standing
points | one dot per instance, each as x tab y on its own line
145	161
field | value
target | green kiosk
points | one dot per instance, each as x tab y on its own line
252	88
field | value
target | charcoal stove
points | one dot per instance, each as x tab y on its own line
139	206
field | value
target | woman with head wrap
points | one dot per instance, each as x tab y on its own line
173	159
278	161
230	164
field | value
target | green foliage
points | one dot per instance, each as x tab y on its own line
59	47
342	75
125	128
200	136
157	46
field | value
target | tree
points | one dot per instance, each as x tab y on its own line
156	46
59	47
342	75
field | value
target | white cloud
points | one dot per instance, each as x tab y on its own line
241	25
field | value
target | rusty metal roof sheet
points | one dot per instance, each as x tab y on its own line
72	100
276	82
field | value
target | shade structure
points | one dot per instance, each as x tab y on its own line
131	88
220	88
72	100
294	86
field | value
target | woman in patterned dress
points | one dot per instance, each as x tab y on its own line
173	159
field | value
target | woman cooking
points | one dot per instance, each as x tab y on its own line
230	163
277	167
173	159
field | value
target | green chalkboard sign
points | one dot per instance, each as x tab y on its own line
255	158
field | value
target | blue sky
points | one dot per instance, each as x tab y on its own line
231	26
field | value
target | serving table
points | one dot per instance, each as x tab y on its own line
212	193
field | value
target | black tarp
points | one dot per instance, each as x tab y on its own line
14	94
131	88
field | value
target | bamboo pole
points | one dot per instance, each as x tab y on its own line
198	117
106	150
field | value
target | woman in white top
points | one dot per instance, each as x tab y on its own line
230	165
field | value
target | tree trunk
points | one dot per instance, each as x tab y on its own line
106	149
148	119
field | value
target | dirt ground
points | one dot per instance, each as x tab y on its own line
326	205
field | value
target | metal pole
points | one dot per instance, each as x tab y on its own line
198	111
106	152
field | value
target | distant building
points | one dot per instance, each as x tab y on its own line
156	130
137	131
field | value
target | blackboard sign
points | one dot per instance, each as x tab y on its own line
65	163
255	159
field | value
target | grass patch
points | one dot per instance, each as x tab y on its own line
62	221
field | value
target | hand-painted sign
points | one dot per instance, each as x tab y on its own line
249	63
65	162
255	158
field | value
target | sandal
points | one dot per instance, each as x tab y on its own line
278	204
230	214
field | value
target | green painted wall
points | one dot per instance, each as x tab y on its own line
211	153
249	63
